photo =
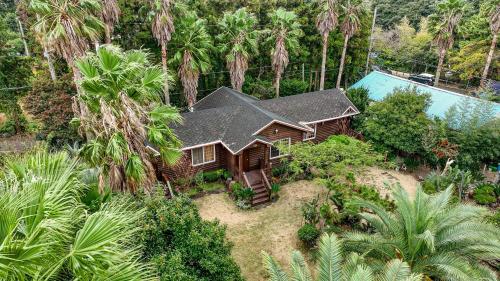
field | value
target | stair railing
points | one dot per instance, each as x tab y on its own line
266	181
245	178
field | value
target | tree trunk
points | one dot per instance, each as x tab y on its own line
342	59
21	30
107	32
323	62
165	70
278	76
488	59
442	53
52	71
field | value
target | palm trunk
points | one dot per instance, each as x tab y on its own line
442	53
323	62
165	69
52	71
488	59
277	84
107	32
342	59
21	30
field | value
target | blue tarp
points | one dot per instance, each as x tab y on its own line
381	84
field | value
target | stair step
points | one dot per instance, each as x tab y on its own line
260	201
260	195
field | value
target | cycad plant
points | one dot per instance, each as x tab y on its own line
284	34
443	26
334	265
127	125
327	20
238	41
437	238
47	233
193	45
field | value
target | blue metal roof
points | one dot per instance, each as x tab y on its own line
381	84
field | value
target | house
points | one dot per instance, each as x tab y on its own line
231	130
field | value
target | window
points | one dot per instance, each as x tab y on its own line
275	152
310	135
203	155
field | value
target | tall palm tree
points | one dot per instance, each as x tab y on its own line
237	41
194	44
443	25
69	26
438	238
110	14
494	12
351	12
128	128
334	265
47	233
162	28
284	33
46	53
327	20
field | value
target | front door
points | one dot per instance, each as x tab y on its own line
246	160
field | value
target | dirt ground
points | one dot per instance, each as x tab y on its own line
273	228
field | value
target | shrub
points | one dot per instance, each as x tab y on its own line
359	97
310	211
212	176
199	180
242	195
484	194
275	188
289	87
308	234
181	245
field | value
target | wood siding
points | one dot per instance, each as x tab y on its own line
333	127
277	132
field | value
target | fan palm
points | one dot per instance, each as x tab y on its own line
110	14
122	90
237	41
494	12
284	33
351	11
441	240
443	25
68	26
334	266
162	28
327	20
46	233
194	44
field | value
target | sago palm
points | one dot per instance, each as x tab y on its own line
327	20
110	14
352	10
437	238
334	265
238	41
493	7
123	91
68	26
162	28
284	34
443	25
46	232
194	44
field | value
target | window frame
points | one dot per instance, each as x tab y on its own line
203	155
304	138
280	153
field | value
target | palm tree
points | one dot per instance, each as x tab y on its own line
494	13
192	54
440	239
110	14
443	25
47	233
127	127
327	20
350	26
69	26
43	41
334	266
285	32
237	41
162	28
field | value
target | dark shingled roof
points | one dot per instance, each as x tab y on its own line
232	118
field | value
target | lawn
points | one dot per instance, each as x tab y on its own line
272	228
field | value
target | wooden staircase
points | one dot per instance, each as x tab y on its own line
259	183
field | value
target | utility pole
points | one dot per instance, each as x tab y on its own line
371	41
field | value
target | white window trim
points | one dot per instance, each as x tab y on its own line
281	155
203	153
314	134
